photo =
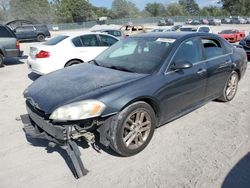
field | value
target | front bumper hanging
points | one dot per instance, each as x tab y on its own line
36	127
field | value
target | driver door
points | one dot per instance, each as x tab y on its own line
184	88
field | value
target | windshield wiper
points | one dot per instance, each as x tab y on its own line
94	62
120	68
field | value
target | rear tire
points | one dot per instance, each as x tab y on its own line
230	87
132	129
1	61
40	38
72	62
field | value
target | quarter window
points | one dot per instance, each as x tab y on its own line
212	48
77	42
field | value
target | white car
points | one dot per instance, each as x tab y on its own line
199	28
66	50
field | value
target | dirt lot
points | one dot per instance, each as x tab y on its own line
207	148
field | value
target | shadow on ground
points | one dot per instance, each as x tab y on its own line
33	76
8	61
239	176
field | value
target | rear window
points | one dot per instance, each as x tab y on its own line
5	33
212	48
56	40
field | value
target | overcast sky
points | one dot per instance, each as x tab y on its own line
141	3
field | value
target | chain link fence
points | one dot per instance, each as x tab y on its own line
149	20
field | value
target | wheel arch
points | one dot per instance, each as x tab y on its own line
238	72
74	59
149	100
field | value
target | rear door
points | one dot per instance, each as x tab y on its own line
184	88
87	47
219	65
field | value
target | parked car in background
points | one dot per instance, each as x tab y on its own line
226	21
159	30
188	21
15	23
200	28
138	84
175	28
238	20
214	22
132	29
32	32
232	35
246	45
9	45
115	32
248	20
195	22
204	21
165	22
66	50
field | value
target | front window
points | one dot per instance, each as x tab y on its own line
188	51
140	55
107	40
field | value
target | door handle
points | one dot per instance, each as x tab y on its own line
228	61
201	71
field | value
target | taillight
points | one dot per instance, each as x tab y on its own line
42	54
17	44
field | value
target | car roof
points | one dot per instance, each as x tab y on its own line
79	33
174	35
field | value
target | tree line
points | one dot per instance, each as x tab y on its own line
67	11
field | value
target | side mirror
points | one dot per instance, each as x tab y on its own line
179	65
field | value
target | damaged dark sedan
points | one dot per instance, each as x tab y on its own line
138	84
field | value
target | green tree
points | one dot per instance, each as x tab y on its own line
213	11
123	9
73	10
236	7
190	7
33	10
174	9
155	9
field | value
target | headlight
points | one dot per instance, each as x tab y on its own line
78	110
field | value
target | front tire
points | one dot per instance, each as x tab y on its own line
230	87
1	61
133	129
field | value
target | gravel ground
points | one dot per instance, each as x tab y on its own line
207	148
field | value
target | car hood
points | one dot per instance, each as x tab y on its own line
227	35
71	84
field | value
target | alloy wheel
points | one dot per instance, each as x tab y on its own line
232	86
136	129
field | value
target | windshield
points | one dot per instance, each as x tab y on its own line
227	32
140	55
187	29
55	40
